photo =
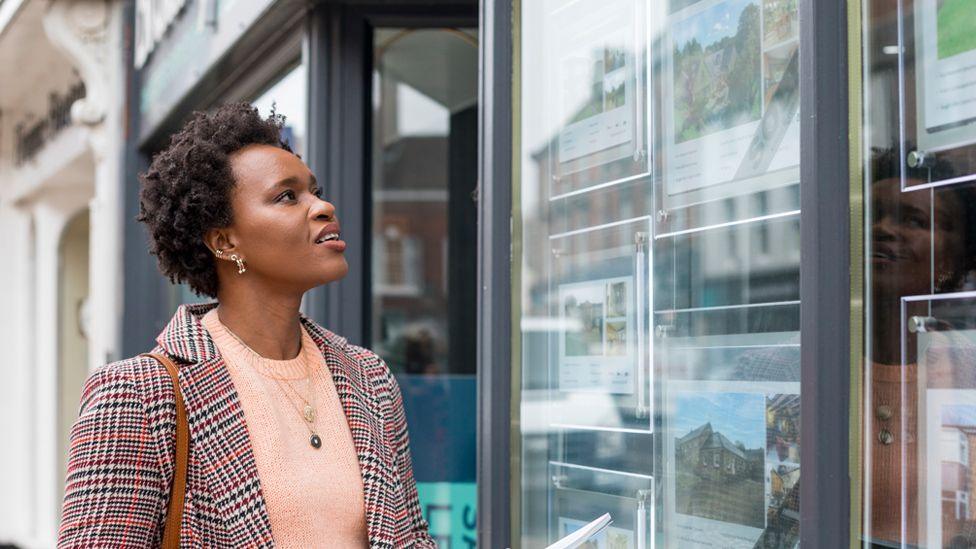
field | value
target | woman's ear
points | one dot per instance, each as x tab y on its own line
220	240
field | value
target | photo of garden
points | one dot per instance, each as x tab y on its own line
716	69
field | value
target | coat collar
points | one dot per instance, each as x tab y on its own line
184	337
218	427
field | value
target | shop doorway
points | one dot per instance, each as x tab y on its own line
422	211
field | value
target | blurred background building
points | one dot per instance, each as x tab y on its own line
62	109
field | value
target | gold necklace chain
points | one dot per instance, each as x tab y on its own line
308	413
254	353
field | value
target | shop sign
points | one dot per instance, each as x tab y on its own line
450	509
31	138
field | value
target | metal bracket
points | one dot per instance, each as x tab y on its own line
920	159
922	324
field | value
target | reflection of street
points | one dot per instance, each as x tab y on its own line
735	500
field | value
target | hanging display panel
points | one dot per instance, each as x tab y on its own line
936	87
730	99
597	90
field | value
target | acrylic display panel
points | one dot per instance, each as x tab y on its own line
921	426
727	362
937	91
579	493
729	99
945	430
659	291
597	87
599	374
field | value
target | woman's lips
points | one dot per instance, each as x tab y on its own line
881	257
886	253
334	245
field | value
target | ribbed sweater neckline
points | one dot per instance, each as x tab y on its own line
241	355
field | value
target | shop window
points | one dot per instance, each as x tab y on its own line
919	168
422	314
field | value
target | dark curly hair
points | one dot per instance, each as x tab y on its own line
186	190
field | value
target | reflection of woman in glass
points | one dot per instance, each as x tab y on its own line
921	244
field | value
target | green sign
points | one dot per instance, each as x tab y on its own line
450	509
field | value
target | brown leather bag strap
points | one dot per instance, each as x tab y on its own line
174	515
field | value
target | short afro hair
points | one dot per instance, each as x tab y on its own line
186	190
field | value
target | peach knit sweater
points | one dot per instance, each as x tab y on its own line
314	497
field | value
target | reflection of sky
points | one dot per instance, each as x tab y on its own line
959	414
288	95
711	25
419	115
738	416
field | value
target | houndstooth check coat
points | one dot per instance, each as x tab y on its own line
120	462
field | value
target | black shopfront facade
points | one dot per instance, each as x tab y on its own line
655	259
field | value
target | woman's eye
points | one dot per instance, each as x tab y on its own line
917	222
317	192
286	194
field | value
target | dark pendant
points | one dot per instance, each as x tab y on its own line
316	441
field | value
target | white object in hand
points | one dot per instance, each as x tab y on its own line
580	536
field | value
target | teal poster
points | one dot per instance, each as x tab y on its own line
450	509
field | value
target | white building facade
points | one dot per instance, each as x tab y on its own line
62	98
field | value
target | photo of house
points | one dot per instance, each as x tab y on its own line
713	454
957	450
719	457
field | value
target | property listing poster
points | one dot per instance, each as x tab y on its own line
733	460
598	94
949	435
946	433
597	349
945	70
731	96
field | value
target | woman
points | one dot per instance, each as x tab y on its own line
297	438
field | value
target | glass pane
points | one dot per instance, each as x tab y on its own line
918	403
658	271
424	173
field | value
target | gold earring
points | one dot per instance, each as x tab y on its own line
943	279
219	254
240	263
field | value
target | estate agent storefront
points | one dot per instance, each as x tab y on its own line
706	265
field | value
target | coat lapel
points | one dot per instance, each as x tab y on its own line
219	432
360	404
217	427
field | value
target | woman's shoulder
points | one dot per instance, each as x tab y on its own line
139	377
370	363
373	366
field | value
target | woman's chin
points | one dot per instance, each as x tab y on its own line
334	274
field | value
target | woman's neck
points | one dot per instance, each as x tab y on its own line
270	325
886	333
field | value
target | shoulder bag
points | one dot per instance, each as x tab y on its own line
174	514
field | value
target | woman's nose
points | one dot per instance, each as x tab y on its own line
883	229
323	209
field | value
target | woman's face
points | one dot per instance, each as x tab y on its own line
279	220
907	235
